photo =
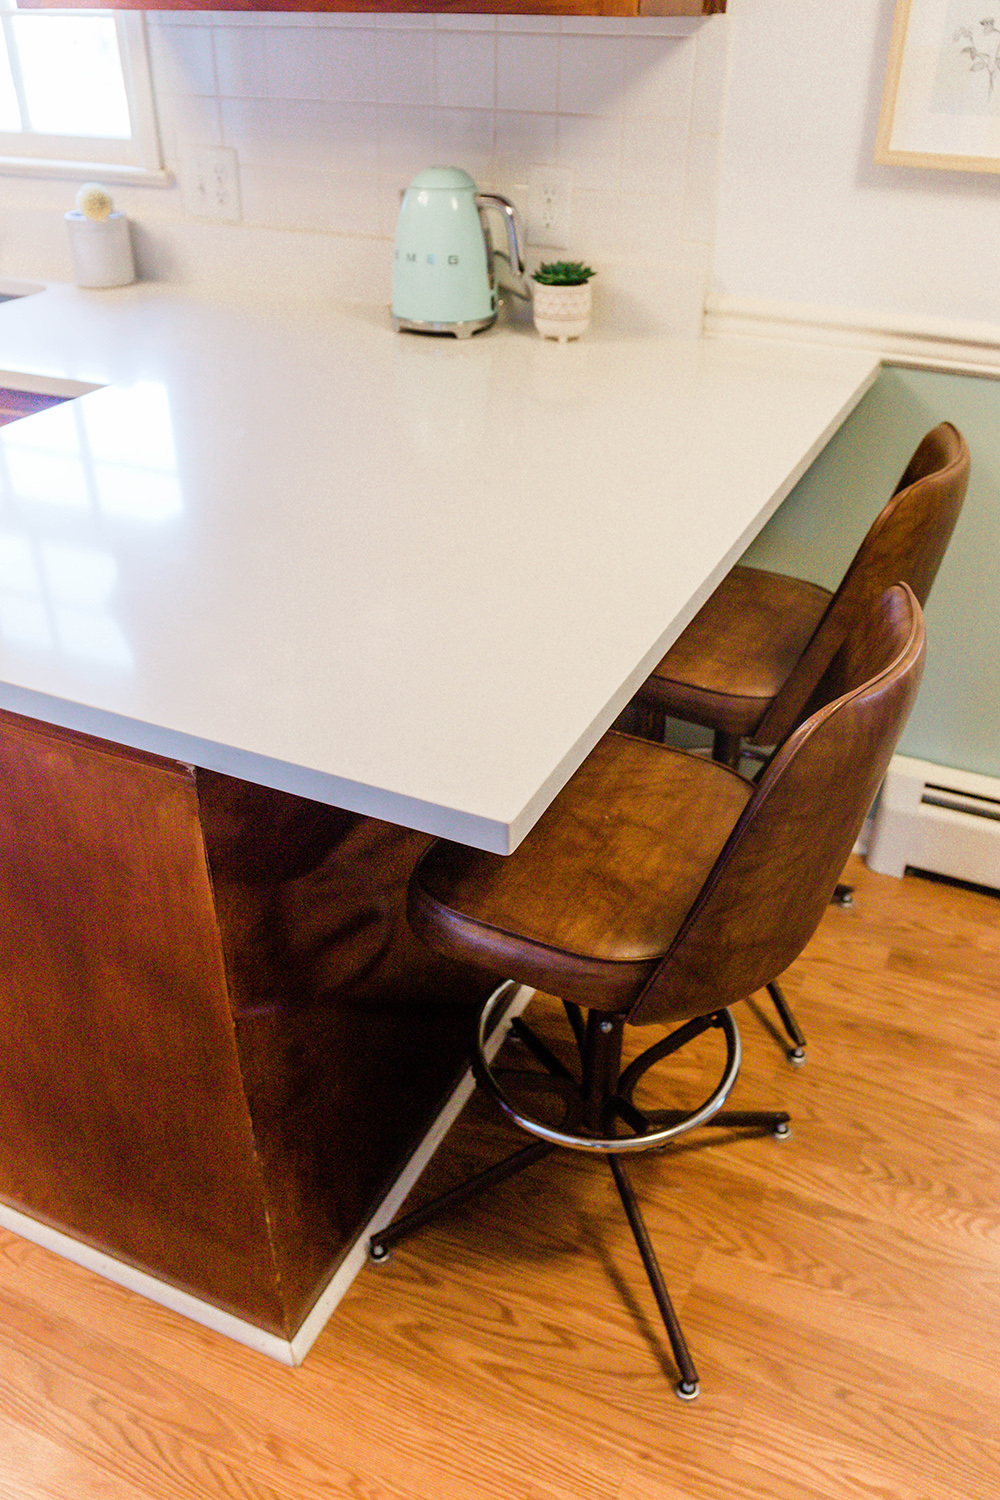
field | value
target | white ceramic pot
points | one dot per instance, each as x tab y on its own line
561	312
101	248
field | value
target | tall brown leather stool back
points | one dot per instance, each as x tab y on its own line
661	888
751	663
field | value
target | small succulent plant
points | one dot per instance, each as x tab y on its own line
563	273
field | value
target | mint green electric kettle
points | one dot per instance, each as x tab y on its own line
446	271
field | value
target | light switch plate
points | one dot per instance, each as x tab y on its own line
210	180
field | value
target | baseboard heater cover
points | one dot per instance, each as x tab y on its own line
934	818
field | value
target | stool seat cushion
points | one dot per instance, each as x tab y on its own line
731	662
589	903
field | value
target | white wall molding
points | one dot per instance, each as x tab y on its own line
921	343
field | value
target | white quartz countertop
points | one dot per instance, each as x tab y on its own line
413	577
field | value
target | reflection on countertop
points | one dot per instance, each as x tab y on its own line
17	404
105	461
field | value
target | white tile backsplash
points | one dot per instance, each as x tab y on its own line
527	72
466	137
701	189
710	71
465	23
298	67
305	198
591	69
342	20
592	148
652	224
523	140
528	23
659	76
653	158
404	60
348	63
183	60
277	134
466	69
596	224
241	58
396	21
331	116
190	120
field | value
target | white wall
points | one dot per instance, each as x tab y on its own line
807	220
804	214
332	115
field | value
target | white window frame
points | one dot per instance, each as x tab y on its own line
138	159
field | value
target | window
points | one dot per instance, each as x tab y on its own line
75	95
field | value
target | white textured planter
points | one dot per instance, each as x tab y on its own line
561	312
101	249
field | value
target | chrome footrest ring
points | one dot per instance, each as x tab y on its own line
607	1145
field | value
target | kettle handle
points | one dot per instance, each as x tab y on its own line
517	283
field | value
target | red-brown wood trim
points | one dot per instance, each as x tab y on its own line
413	7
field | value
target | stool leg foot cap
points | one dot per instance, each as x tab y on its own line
378	1254
797	1056
687	1390
782	1130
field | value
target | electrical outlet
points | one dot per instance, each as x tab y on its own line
211	179
550	203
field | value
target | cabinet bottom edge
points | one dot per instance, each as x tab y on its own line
286	1351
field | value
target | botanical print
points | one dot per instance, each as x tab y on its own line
967	80
941	105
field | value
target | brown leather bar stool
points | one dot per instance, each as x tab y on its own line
658	889
751	660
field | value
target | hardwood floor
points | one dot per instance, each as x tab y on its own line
840	1291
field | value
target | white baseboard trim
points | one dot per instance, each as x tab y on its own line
285	1351
925	343
147	1286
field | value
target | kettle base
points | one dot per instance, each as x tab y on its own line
457	330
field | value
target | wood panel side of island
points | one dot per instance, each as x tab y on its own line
122	1116
351	1034
219	1041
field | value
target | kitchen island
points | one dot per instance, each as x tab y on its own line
282	594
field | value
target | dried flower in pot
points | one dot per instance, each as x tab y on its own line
561	299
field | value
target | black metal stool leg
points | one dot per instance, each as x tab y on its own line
592	1102
774	1122
797	1054
382	1242
645	720
538	1049
768	1121
687	1387
727	748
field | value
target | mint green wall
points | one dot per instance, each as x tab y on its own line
956	721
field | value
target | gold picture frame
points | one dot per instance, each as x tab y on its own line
941	101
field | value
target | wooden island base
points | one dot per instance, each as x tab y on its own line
221	1042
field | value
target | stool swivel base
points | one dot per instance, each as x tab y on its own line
596	1102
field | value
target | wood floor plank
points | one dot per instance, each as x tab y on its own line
34	1468
706	1481
839	1291
840	1469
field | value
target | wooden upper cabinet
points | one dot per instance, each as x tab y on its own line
462	7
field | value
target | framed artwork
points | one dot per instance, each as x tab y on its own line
941	103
